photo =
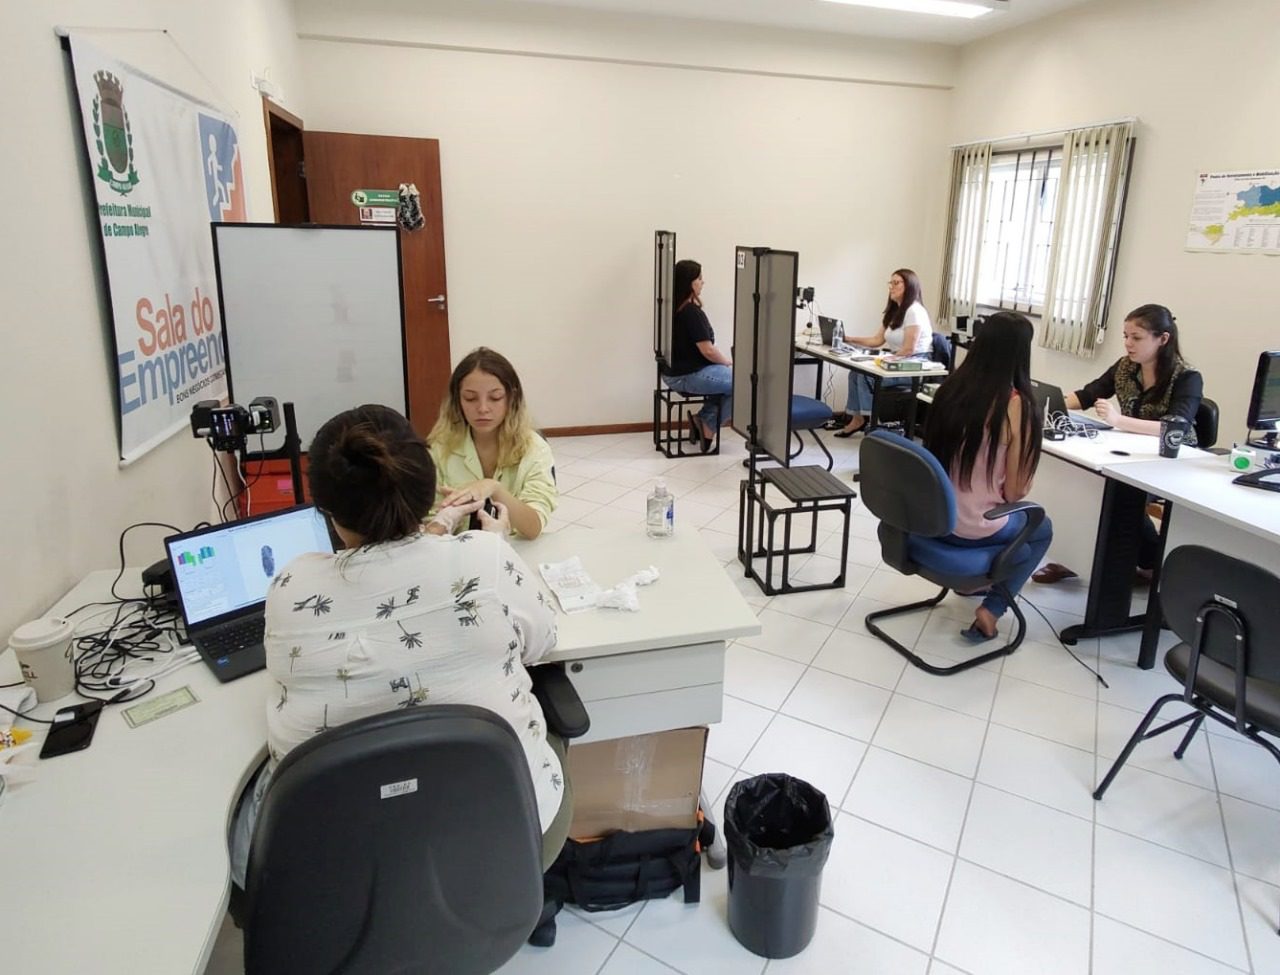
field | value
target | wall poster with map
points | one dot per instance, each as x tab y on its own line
1236	213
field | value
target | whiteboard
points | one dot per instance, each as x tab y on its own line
312	316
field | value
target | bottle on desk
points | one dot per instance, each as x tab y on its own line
837	337
660	512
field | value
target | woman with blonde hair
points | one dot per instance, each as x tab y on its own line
485	448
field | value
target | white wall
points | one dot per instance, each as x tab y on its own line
556	170
64	497
1203	79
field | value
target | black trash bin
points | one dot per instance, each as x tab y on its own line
778	830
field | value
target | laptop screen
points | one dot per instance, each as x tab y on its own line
227	568
827	327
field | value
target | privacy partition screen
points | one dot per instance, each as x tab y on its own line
664	263
313	316
764	332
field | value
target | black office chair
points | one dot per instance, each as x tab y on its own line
1206	425
1226	612
892	402
408	841
906	488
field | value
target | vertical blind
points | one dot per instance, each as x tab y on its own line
970	168
1086	231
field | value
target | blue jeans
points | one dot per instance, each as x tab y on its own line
1036	547
862	391
715	380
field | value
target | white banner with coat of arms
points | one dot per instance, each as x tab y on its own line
164	165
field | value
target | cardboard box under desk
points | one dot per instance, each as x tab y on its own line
637	783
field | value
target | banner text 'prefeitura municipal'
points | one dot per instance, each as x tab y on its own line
163	166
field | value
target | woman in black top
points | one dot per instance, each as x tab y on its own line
1151	382
696	365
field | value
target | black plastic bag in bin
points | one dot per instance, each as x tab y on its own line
778	830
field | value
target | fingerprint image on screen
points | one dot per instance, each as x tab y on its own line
268	562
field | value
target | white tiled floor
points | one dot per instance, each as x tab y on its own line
967	840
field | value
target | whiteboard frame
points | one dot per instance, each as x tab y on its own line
403	404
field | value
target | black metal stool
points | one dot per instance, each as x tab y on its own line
805	491
671	413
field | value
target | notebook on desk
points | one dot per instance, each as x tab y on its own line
222	575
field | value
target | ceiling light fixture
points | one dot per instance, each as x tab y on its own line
968	9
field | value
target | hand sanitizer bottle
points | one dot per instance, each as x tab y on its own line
659	519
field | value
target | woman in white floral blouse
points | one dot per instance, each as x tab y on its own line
402	617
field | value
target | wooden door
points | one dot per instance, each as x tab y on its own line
338	164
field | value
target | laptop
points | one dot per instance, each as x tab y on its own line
827	326
1050	403
222	574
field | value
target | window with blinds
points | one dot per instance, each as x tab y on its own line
1017	229
1037	229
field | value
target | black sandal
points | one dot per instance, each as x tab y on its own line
846	434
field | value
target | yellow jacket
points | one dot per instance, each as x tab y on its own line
531	480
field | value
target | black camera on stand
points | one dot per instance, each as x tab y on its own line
229	427
804	296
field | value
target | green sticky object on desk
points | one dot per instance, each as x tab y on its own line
158	707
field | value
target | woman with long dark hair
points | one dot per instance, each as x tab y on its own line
1150	382
907	332
697	366
401	617
985	433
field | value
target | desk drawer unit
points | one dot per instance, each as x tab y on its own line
653	690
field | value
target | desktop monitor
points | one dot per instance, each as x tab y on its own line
1264	403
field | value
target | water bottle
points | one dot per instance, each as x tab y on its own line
660	512
837	337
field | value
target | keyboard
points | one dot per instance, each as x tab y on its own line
234	637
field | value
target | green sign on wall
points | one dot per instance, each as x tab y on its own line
375	198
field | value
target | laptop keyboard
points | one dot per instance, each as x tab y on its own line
234	636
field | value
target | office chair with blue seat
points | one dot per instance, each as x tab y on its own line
810	414
906	488
408	841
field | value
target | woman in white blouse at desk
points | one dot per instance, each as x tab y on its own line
403	616
907	332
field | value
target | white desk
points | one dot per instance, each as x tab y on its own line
117	855
1096	518
1203	485
1205	508
661	667
867	366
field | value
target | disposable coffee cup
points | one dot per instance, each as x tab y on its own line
43	649
1172	431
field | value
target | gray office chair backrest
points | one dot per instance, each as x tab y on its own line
404	842
1193	576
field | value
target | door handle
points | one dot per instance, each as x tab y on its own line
437	300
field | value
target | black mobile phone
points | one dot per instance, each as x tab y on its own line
72	729
488	508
